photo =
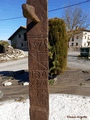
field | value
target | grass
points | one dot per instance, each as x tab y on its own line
20	99
81	84
51	82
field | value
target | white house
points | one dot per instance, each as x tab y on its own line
80	39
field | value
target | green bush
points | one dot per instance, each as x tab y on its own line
51	82
5	44
57	46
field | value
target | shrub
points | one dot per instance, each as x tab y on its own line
5	44
57	46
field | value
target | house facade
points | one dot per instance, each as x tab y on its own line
80	39
19	39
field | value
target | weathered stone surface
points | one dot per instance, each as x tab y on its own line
38	60
7	83
9	50
29	12
11	54
25	83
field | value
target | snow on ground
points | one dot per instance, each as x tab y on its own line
61	107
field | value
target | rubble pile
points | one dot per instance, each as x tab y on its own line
11	54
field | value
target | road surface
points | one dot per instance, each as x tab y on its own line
77	63
73	62
15	65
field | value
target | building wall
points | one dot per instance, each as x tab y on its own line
19	40
86	39
76	40
81	39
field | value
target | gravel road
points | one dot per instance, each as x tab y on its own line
73	62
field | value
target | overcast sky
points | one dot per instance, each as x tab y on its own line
12	9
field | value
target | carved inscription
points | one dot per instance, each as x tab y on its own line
35	64
40	102
42	56
37	36
38	61
39	56
39	92
38	44
38	84
39	96
38	74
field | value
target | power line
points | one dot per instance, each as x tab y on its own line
49	10
68	6
10	18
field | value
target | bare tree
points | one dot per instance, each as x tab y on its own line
74	17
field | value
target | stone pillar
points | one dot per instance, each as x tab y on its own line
37	34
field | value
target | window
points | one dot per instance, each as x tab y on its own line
21	44
72	44
72	38
76	44
85	33
19	36
89	37
84	44
88	43
77	37
25	37
85	37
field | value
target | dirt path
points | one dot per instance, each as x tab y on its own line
16	90
75	82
